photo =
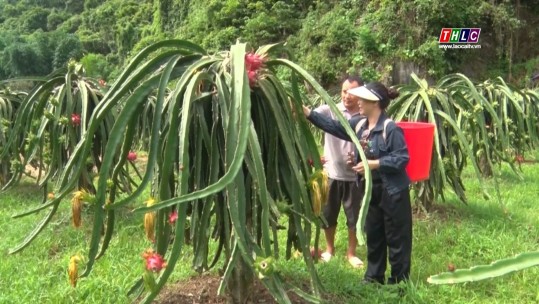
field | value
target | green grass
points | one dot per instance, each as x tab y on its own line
464	235
38	274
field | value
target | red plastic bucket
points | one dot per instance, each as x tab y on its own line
419	138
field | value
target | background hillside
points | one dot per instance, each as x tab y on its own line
380	39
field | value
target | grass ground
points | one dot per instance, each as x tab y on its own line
463	235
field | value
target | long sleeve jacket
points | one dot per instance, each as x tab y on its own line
392	152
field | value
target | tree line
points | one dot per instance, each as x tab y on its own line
330	38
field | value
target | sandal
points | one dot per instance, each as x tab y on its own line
355	262
326	256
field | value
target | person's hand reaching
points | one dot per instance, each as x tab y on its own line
306	111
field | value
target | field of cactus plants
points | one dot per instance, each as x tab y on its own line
197	163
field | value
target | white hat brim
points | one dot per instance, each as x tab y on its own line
363	93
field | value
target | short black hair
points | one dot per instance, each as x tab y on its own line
354	78
387	94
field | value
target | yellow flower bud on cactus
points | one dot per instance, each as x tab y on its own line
76	209
76	205
149	221
319	190
73	270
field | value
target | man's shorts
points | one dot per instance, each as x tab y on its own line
349	195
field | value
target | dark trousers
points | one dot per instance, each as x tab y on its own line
348	194
388	225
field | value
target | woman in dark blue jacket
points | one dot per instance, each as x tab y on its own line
389	218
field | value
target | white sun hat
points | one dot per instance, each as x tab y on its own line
365	93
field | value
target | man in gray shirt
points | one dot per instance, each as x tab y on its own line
343	188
